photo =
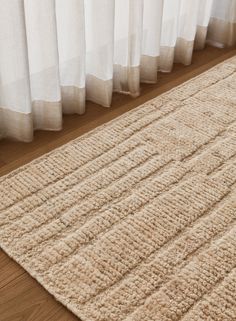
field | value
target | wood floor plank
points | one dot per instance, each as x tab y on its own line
36	304
9	270
21	297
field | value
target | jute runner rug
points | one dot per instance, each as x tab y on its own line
135	220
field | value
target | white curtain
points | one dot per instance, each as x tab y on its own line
55	54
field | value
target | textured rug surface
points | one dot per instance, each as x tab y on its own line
135	220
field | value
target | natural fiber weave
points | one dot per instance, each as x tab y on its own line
135	221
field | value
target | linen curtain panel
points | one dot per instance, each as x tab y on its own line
55	54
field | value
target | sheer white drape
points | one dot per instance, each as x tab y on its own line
55	54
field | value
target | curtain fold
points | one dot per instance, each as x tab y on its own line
222	25
42	45
70	23
56	54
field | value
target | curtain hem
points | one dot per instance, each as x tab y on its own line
73	100
221	33
16	125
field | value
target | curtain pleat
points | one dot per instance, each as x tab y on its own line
128	44
222	25
15	94
41	32
99	35
70	20
204	14
151	40
56	54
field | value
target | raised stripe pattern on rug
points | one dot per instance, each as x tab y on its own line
135	220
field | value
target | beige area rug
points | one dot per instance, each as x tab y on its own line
135	220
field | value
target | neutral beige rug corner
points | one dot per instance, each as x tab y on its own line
135	221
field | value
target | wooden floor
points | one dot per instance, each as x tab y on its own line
21	297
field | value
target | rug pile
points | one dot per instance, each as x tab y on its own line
135	220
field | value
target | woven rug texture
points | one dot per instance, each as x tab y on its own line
135	221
